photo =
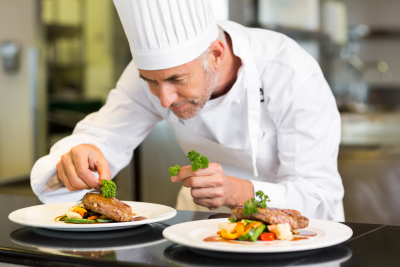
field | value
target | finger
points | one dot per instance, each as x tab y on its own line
72	176
103	169
63	177
209	193
80	158
187	172
184	173
202	181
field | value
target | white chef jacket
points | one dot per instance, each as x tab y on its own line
298	132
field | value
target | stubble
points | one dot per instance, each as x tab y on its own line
195	105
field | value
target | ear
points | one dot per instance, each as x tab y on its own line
218	49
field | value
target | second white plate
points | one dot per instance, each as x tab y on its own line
192	234
44	216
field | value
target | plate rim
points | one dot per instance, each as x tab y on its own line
95	227
234	249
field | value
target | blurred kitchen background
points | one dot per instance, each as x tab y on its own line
60	58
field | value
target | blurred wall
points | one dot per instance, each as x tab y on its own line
96	17
383	14
99	75
21	93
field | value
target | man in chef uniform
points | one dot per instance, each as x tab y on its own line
251	100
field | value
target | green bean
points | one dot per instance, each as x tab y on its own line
258	232
75	220
249	234
248	221
63	218
104	220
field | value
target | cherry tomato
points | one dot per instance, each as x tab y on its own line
267	237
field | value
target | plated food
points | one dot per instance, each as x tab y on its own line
43	216
254	221
193	234
95	208
267	224
255	228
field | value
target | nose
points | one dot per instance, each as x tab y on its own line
167	95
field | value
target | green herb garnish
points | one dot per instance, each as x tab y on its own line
253	205
108	188
232	220
198	162
174	170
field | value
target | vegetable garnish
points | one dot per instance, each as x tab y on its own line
253	205
267	237
174	170
198	162
232	220
108	188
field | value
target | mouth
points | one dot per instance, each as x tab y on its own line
178	108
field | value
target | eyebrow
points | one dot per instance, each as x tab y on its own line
172	78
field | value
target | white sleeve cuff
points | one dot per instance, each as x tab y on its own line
275	192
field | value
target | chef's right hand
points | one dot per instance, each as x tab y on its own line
75	168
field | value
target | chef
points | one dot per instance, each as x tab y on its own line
251	100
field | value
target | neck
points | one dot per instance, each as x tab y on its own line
227	74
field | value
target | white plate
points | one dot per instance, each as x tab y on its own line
43	216
192	234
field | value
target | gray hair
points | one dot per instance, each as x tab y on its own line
202	59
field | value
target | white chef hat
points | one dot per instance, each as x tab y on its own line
166	33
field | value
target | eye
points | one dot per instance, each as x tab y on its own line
178	81
152	82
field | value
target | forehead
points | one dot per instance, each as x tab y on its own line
185	69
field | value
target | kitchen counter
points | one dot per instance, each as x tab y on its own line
370	245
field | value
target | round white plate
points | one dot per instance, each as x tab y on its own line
192	234
43	216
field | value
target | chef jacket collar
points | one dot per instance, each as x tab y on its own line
252	84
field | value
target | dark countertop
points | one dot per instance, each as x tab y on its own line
370	245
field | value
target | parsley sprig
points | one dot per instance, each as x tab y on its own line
198	162
253	205
174	170
108	188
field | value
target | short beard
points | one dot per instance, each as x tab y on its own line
211	78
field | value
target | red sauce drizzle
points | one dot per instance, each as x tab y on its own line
139	218
298	238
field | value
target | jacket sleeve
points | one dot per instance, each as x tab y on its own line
308	137
116	129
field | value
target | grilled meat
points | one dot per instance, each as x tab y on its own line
110	207
273	216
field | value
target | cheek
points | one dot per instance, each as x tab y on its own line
192	89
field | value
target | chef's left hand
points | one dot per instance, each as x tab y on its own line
212	188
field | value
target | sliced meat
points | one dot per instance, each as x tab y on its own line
273	216
110	207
